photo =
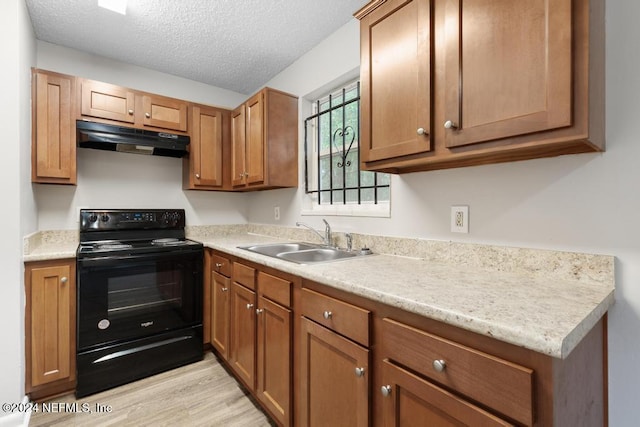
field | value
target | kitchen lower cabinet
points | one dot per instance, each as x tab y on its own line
409	399
50	328
220	318
53	146
242	355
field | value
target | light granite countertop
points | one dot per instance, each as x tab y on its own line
549	314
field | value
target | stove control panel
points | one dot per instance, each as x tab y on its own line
125	219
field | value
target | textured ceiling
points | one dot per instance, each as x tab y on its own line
233	44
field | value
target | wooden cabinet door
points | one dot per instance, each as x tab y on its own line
238	147
165	113
274	359
507	68
106	101
50	328
332	393
53	153
206	147
243	334
395	78
255	141
410	400
220	313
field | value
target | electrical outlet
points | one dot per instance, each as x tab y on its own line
276	213
459	219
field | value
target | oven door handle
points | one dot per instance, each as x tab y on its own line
117	260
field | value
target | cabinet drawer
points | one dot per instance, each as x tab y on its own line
244	275
344	318
221	265
275	288
497	383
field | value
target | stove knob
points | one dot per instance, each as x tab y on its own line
93	218
104	218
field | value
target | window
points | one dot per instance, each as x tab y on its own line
332	161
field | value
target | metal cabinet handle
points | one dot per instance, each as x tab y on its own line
359	372
219	265
147	115
197	176
450	125
224	289
259	310
327	314
421	131
249	306
131	112
63	280
386	390
439	365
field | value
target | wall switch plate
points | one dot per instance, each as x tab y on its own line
276	213
459	219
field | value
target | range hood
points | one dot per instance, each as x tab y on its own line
129	140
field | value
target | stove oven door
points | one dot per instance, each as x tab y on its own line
129	297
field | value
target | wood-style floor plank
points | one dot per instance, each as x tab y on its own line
200	394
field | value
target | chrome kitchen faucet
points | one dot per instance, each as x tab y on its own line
327	238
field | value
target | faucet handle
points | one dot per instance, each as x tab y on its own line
349	241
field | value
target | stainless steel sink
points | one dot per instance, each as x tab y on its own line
301	253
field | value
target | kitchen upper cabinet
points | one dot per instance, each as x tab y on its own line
459	83
113	103
203	168
264	141
53	145
107	101
50	327
396	80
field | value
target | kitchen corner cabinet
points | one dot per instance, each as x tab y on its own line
53	145
479	82
50	318
142	110
264	142
203	168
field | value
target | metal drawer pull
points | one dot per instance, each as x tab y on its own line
386	390
359	372
147	115
259	310
131	112
327	314
439	365
249	306
450	125
63	280
421	131
219	265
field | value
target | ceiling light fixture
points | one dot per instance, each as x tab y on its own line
118	6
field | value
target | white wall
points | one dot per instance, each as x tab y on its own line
119	180
584	203
18	52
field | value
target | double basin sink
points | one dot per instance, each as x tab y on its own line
301	252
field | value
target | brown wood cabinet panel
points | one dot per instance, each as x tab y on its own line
332	393
243	334
344	318
264	142
50	325
221	264
395	78
410	400
255	139
205	161
106	101
163	112
507	69
275	288
207	298
497	383
274	359
220	313
53	147
244	275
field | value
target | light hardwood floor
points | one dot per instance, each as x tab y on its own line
200	394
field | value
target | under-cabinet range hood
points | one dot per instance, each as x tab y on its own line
129	140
